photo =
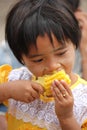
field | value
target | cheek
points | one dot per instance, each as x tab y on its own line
70	62
36	70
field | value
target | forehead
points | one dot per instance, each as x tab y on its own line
44	45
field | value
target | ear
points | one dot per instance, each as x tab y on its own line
22	62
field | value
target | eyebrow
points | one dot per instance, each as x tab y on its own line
54	50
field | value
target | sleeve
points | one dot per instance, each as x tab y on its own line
84	125
20	74
4	72
80	103
84	108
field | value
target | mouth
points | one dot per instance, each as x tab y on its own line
49	96
46	98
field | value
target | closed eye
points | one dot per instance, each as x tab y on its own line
61	53
38	60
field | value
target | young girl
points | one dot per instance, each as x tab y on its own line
43	35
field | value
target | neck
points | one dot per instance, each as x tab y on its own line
73	78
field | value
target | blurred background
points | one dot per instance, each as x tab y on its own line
6	56
5	5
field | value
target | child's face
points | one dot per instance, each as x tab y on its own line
46	58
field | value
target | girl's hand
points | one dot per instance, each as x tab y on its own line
24	90
63	99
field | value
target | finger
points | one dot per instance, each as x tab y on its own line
56	94
82	18
57	91
60	86
66	86
80	14
35	94
83	14
38	88
30	98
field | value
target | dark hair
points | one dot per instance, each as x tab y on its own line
30	18
74	4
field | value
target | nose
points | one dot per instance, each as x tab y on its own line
53	66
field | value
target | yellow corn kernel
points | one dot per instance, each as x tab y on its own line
47	80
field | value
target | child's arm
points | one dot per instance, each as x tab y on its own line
22	90
64	105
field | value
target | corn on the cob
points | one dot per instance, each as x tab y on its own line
47	80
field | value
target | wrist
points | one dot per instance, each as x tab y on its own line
69	123
7	90
4	94
66	119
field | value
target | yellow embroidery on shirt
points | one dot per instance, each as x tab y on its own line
29	126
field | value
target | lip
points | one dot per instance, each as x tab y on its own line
48	96
51	73
46	99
